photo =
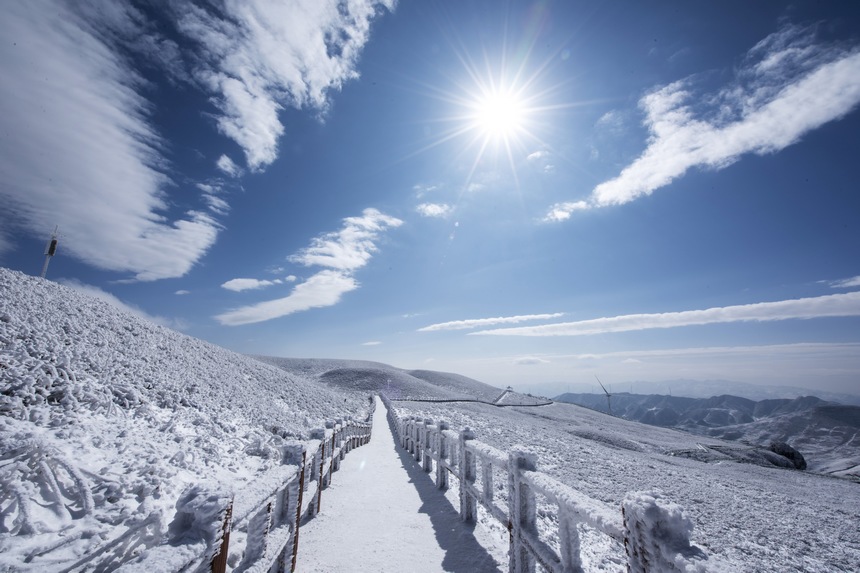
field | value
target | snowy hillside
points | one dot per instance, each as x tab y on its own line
827	434
748	514
106	418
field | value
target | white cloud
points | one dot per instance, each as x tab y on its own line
846	283
323	289
350	248
542	161
480	322
228	166
291	278
79	150
787	87
837	305
111	299
439	210
342	253
238	285
257	56
563	211
529	361
182	292
371	343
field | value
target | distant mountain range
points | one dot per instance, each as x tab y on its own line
826	433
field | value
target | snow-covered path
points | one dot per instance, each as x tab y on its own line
382	513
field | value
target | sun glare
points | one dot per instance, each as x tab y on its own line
499	115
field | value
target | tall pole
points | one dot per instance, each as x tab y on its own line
50	250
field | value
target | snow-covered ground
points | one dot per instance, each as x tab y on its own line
747	517
107	419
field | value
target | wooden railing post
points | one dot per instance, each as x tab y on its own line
418	442
301	488
658	550
467	477
331	426
523	514
428	446
441	471
487	481
219	562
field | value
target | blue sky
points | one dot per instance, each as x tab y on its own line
522	192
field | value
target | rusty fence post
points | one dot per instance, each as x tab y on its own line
219	561
298	512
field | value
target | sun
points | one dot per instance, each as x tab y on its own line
499	115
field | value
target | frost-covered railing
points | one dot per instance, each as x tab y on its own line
654	532
257	528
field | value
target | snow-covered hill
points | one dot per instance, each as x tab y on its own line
827	434
106	418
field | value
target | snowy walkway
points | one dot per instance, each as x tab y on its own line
382	513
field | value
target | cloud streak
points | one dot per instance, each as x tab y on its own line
342	253
79	150
481	322
837	305
787	86
238	285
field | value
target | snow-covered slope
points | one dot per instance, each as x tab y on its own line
106	418
827	434
747	516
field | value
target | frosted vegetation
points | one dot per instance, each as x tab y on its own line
109	422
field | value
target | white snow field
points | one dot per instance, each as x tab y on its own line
108	422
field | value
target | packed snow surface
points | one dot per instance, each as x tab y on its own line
390	517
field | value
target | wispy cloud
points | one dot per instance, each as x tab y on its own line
322	289
259	56
74	126
787	86
350	248
482	322
846	283
437	210
371	343
542	161
112	299
228	166
181	292
342	253
625	356
837	305
529	361
238	285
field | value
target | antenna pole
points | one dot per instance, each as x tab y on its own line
50	251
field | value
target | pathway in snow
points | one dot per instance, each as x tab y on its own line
383	513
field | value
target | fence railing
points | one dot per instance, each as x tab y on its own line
654	532
257	529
